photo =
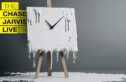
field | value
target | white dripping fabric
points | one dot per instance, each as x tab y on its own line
62	37
57	53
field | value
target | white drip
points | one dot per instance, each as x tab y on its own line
57	53
34	54
29	50
45	51
51	54
29	55
74	57
67	54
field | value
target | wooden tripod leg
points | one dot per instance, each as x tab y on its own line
49	64
64	64
39	65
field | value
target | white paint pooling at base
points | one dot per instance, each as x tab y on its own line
59	76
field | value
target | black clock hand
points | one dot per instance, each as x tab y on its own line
56	23
48	24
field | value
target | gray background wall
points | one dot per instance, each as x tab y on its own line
101	28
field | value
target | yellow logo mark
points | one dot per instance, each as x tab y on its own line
13	29
9	5
12	20
12	13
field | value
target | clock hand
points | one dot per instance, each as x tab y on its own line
56	23
48	24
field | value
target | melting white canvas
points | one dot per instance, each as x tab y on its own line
52	29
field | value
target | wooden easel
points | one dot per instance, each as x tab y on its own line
40	53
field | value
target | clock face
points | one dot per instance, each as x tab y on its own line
52	28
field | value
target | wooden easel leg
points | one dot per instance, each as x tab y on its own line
39	65
64	64
49	64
